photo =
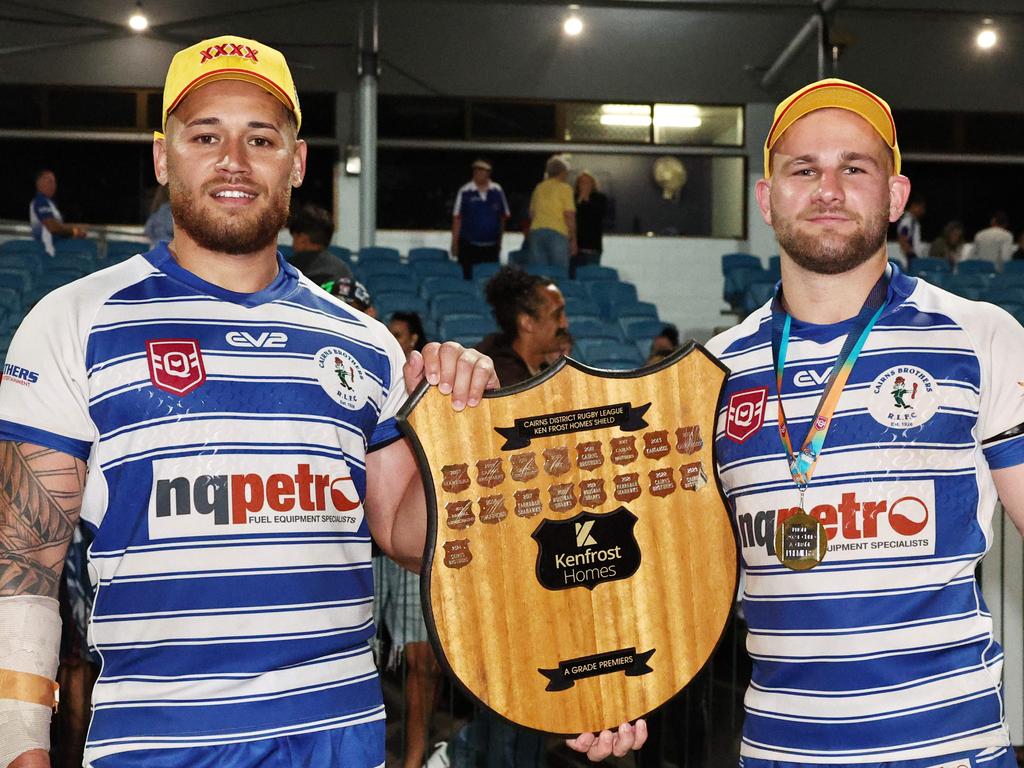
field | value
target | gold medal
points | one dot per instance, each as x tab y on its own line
800	542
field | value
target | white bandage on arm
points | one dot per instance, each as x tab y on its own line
29	644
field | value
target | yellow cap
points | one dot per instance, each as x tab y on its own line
230	58
833	94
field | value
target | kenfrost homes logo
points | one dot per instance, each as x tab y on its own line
257	339
583	537
230	495
874	520
586	550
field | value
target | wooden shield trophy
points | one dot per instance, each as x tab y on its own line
580	563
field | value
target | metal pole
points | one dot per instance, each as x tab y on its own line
369	72
790	51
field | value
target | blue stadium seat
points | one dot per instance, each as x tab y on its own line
430	286
757	293
469	341
731	261
432	268
24	260
72	261
976	267
485	271
608	353
369	270
572	288
390	283
387	302
738	279
554	271
998	293
634	328
19	280
775	267
636	309
119	250
10	300
968	286
1019	316
1013	307
517	258
594	272
466	325
80	246
33	247
925	267
610	293
378	253
1015	267
587	328
427	254
445	304
575	306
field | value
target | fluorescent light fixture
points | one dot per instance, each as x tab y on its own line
627	120
676	116
138	20
987	38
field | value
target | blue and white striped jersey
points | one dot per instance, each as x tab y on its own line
884	651
226	437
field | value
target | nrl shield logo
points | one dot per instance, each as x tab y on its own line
524	466
745	414
575	490
175	365
587	550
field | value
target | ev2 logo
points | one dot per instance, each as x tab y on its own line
810	378
264	340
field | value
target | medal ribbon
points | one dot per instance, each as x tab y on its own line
802	465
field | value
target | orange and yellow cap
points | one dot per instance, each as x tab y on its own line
833	94
229	57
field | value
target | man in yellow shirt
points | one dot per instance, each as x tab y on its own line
552	238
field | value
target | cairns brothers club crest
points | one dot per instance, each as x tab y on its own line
562	510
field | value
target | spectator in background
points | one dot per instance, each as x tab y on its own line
312	229
995	242
353	293
160	224
478	220
949	246
552	238
664	344
47	223
908	229
591	205
398	605
407	327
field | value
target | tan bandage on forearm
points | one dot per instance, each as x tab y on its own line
29	641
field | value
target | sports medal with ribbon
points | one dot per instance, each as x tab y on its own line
801	540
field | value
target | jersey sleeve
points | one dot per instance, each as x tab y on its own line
1001	413
44	396
386	431
43	208
504	200
457	208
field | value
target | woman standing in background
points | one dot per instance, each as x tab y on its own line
591	205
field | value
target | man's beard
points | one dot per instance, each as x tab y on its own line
831	254
237	235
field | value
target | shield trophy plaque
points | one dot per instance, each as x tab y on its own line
580	565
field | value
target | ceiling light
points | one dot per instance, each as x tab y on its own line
573	24
677	116
138	21
987	36
626	120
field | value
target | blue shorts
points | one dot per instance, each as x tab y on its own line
993	757
357	746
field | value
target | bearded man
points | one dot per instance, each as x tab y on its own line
233	482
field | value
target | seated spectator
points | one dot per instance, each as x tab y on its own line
949	246
407	327
994	243
312	229
46	222
664	344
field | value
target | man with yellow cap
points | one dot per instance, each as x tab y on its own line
868	426
238	425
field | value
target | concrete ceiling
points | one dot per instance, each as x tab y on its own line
917	53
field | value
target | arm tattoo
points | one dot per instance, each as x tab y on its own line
40	499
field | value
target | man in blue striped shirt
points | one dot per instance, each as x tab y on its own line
227	431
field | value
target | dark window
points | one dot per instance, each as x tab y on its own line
419	117
926	131
154	110
22	106
1001	134
512	120
91	108
318	111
